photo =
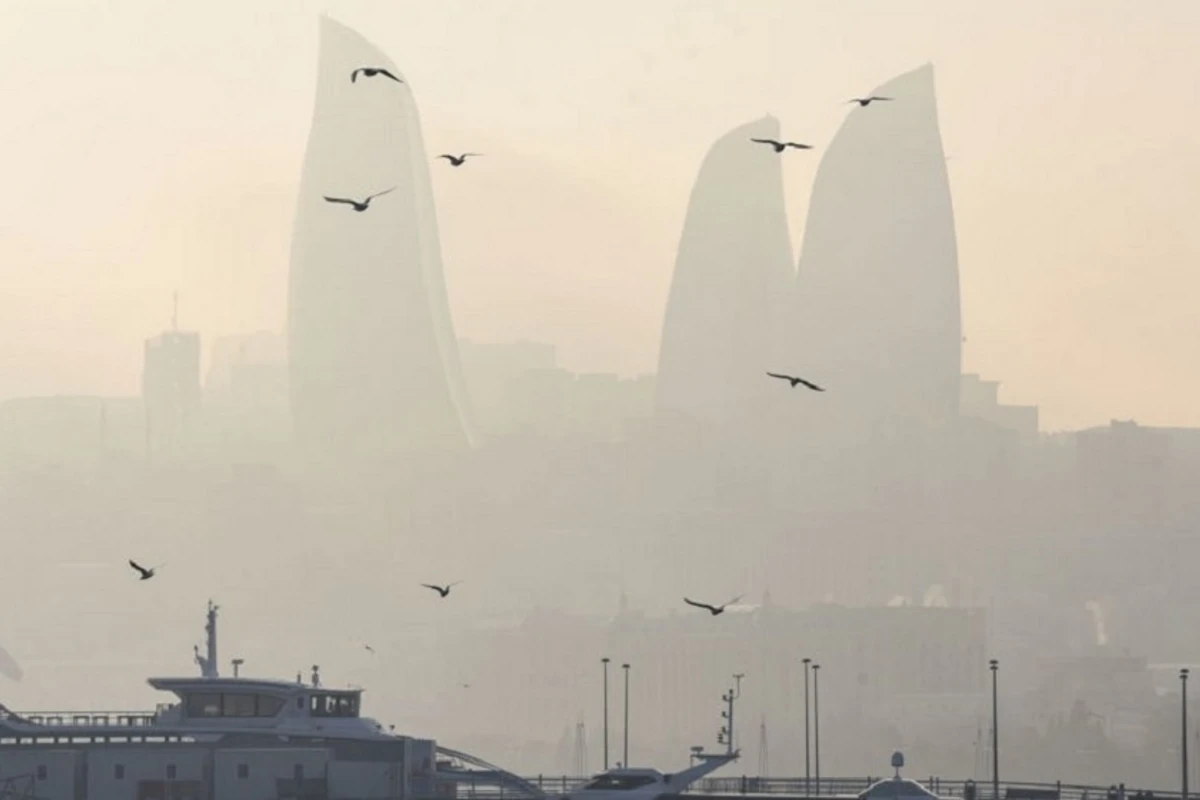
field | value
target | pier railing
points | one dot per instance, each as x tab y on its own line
801	789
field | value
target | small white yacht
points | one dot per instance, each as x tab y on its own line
231	738
625	783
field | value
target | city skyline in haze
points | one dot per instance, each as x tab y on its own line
143	164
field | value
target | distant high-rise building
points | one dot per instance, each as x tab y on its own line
722	329
170	389
732	266
374	367
877	316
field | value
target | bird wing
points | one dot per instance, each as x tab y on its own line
354	74
777	375
447	157
390	75
765	141
378	194
431	586
799	146
698	605
880	98
340	200
138	566
475	155
810	385
734	600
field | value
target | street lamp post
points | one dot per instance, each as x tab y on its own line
994	665
605	661
816	725
807	772
625	751
1183	676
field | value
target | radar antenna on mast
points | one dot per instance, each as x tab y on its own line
208	662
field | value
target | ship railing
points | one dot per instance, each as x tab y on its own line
956	789
121	719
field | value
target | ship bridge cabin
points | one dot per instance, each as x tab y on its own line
248	700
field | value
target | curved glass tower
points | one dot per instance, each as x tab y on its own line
373	359
876	313
733	266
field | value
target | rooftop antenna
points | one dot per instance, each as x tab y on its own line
208	662
237	663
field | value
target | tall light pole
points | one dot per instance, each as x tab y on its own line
605	661
817	725
625	754
1183	675
807	773
994	665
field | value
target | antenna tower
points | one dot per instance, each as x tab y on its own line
581	754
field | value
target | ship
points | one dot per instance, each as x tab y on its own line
643	783
234	738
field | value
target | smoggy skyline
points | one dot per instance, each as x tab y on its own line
151	149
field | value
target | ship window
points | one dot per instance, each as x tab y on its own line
118	772
204	704
237	705
269	706
170	772
41	773
243	771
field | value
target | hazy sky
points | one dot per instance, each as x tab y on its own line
148	146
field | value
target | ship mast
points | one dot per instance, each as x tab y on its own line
208	662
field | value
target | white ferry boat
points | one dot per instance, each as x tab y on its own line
232	738
640	783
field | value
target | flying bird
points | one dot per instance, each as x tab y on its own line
442	590
146	574
359	205
465	685
866	101
457	161
793	380
371	72
714	610
781	146
369	649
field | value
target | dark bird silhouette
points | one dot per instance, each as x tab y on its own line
146	574
465	685
866	101
793	380
781	146
457	161
714	610
442	590
369	649
371	72
359	205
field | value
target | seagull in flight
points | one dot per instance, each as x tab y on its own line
359	205
442	590
866	101
793	380
714	610
146	574
457	161
781	146
368	648
371	72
